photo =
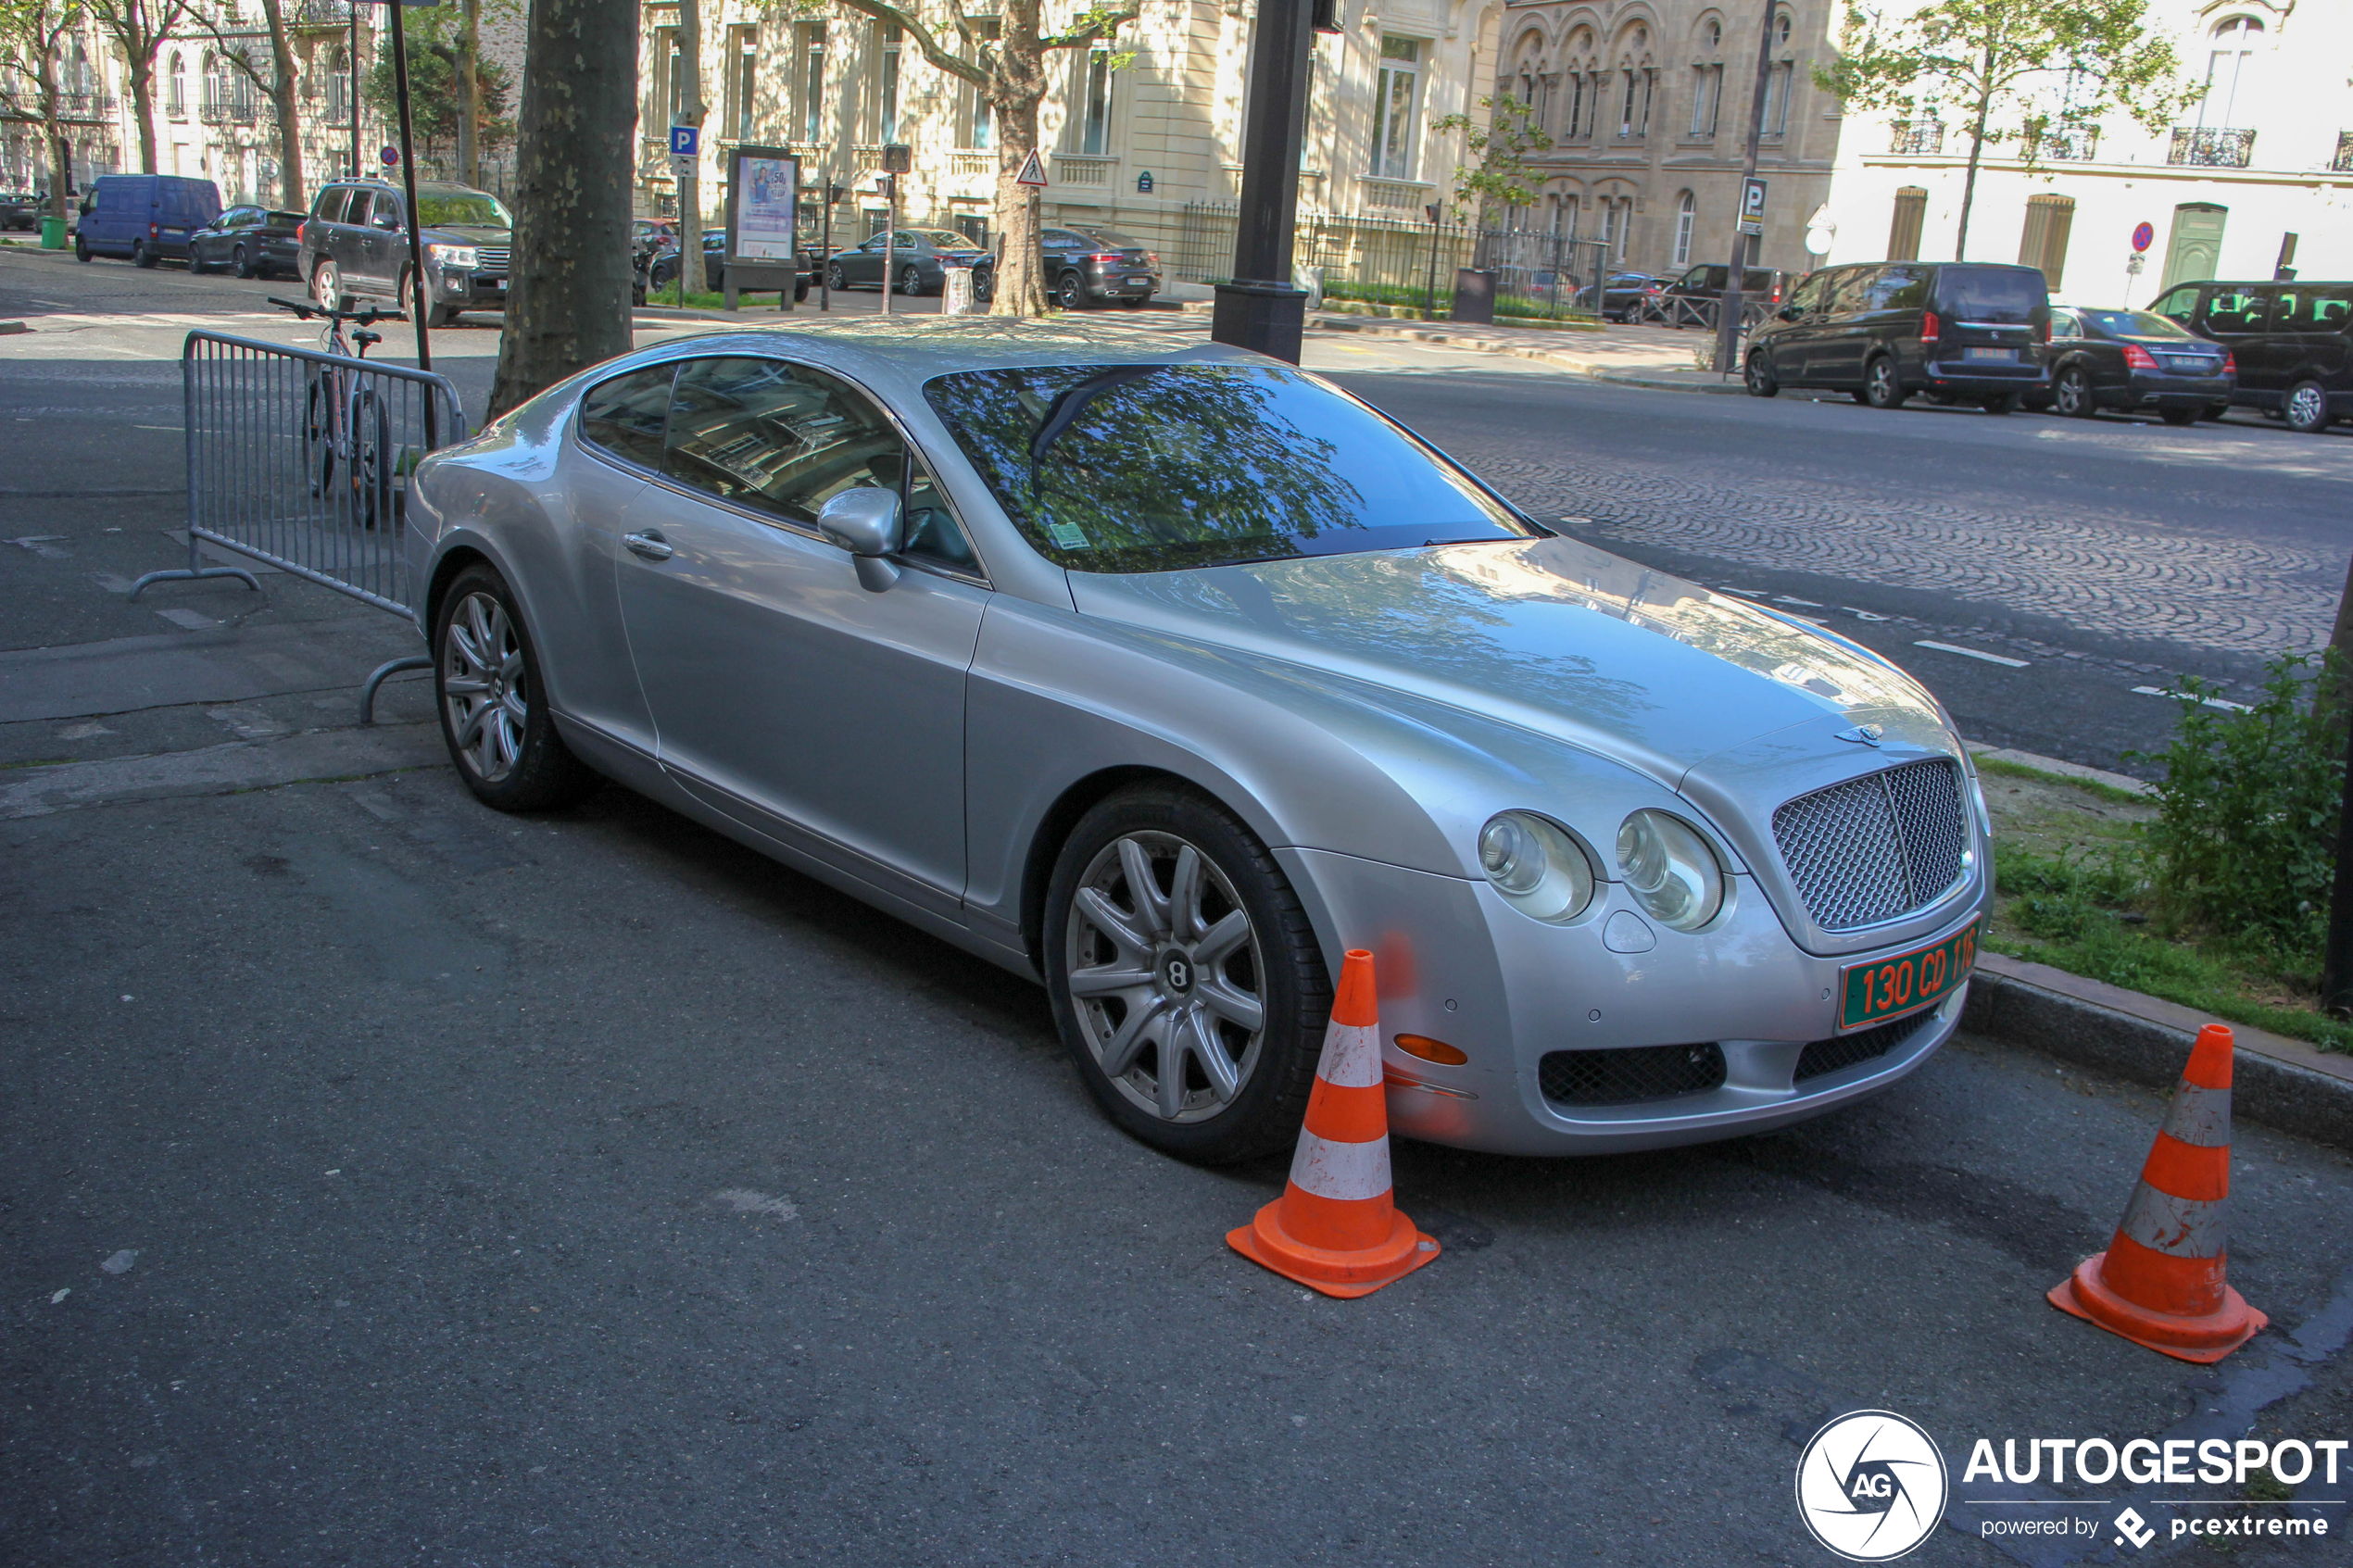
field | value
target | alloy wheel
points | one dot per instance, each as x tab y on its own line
2308	407
326	285
1069	293
1165	973
910	281
240	263
481	682
2075	394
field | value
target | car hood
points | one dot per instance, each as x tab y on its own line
1557	637
472	233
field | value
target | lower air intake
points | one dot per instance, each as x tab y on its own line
1629	1077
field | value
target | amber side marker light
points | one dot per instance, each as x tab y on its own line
1430	1050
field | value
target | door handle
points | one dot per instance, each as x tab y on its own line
649	546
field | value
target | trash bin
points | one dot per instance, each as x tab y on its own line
1474	295
53	234
956	294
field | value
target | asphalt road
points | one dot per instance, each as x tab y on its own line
388	1180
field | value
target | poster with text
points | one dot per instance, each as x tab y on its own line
766	202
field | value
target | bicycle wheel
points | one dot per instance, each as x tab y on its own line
318	433
370	465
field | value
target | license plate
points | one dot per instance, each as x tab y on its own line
1143	279
2191	366
2008	354
1886	988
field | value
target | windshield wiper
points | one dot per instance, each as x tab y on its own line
1065	411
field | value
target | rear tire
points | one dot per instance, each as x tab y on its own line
1277	967
2307	407
497	724
143	253
242	264
1880	388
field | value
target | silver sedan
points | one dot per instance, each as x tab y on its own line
1164	677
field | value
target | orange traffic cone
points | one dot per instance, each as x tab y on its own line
2160	1282
1335	1229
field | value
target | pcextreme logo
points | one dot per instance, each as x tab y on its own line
1871	1486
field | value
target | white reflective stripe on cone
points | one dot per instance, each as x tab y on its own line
1351	1056
2200	1116
1344	1172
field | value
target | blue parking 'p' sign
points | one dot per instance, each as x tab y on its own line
685	140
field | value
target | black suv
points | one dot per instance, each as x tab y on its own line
355	247
2293	341
1884	330
1090	264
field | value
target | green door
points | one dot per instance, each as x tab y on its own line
2196	249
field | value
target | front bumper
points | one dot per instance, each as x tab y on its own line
1457	964
475	289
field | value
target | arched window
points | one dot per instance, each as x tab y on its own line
1686	220
175	89
2227	70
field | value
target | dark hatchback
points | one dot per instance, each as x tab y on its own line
252	242
2134	361
1885	330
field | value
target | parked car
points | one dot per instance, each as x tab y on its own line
1885	330
1085	265
1759	286
252	242
146	217
19	209
714	264
2133	361
355	247
918	262
2290	342
1623	297
1164	673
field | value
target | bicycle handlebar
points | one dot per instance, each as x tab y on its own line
306	309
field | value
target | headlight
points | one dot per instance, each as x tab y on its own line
1536	866
1670	871
456	257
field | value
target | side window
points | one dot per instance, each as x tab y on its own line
2063	325
358	212
2235	310
2181	305
1807	297
329	208
625	415
1696	278
780	438
1900	288
1852	294
2331	309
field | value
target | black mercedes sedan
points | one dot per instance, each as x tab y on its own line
252	242
2134	361
918	263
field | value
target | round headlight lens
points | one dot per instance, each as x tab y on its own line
1670	871
1536	866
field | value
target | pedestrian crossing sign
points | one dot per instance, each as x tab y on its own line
1032	171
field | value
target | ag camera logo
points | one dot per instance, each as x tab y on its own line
1871	1486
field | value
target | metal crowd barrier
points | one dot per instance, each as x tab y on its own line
300	459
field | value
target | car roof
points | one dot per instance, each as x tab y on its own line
894	355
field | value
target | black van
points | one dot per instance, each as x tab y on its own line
2291	341
1883	330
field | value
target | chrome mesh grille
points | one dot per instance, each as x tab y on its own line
1845	1050
1630	1076
492	258
1875	847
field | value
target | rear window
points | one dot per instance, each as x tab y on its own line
1109	241
2132	324
1991	294
1162	467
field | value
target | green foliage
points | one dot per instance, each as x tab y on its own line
433	94
1502	146
2244	848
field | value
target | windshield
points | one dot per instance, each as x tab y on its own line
1991	294
1160	468
479	208
2132	324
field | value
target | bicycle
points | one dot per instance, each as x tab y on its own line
345	420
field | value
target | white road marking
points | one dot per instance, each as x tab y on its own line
1972	652
743	1201
2209	701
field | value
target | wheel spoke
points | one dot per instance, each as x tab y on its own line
1218	944
470	734
1200	1037
1112	921
1238	1007
462	643
1170	1095
1108	979
1184	895
1136	1031
1151	905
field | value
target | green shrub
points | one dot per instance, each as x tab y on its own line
2244	847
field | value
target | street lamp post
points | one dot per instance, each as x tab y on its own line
1261	309
1727	308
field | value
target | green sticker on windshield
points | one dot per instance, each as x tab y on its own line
1066	535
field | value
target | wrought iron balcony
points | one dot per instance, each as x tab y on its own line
2343	162
2212	146
2068	143
85	106
1918	138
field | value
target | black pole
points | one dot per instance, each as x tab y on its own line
1727	308
2336	955
1261	309
357	168
418	293
1429	294
825	248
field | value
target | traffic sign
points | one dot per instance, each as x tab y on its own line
686	141
1751	207
2144	237
1144	183
391	157
1032	171
898	158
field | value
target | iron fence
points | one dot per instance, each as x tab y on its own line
2212	146
301	459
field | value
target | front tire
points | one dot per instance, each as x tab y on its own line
1184	976
1880	388
2307	407
1758	374
488	687
834	279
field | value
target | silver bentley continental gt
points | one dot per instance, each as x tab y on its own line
1164	676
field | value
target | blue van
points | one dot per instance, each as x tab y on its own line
143	216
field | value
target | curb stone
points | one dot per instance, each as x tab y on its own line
2278	1082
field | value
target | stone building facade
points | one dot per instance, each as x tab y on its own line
1646	102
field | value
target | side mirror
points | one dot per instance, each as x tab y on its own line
386	220
866	523
1786	313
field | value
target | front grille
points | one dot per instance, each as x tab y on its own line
492	258
1875	847
1845	1050
1628	1077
